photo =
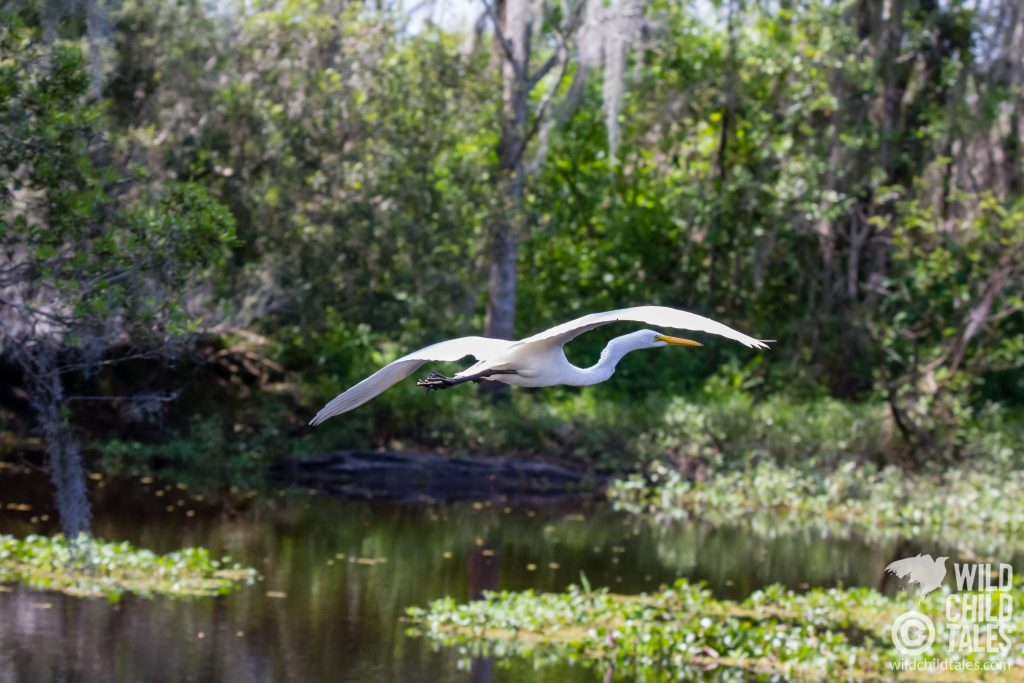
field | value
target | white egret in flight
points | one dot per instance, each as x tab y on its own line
536	361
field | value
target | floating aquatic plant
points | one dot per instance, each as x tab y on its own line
823	634
89	567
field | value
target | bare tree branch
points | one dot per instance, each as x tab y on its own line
561	54
505	43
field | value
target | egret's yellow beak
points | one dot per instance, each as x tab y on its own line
676	341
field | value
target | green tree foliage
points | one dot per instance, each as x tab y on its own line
93	256
88	246
842	175
353	157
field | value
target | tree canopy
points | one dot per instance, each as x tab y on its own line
842	175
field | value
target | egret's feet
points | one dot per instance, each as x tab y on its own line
435	380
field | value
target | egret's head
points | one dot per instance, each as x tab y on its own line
642	339
665	340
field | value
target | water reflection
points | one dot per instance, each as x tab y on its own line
337	576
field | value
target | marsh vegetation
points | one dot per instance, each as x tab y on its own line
214	218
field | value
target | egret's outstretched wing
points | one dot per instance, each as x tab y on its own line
661	316
383	379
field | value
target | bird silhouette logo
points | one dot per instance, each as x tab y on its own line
922	570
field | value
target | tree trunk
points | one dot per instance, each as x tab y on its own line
53	12
1013	58
64	455
895	76
96	35
717	226
501	289
512	25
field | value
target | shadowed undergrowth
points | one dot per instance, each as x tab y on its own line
722	427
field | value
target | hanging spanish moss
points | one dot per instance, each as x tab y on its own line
609	31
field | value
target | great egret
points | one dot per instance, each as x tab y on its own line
536	361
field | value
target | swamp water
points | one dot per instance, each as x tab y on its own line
337	576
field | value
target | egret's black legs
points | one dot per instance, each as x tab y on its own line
435	380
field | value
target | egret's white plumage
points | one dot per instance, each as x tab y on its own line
663	316
537	361
391	374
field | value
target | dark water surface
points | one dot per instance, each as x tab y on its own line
338	575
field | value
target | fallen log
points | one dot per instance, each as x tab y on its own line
411	477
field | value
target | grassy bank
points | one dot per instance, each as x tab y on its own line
978	509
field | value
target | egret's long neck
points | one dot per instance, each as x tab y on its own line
610	357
